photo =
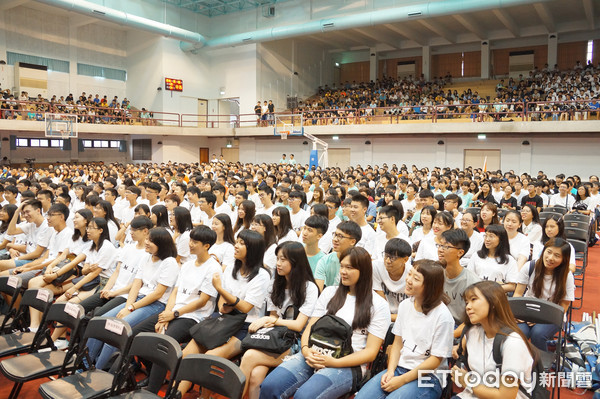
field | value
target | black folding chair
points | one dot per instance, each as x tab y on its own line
579	217
211	372
557	209
11	287
22	340
502	212
472	210
577	234
22	369
576	224
581	258
92	383
536	310
547	214
162	350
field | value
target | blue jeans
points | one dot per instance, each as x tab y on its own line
412	390
101	352
296	378
539	334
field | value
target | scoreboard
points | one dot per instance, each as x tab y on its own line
173	84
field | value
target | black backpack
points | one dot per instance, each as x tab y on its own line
539	390
332	336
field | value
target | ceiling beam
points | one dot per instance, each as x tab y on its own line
588	7
407	33
330	41
377	37
545	16
441	31
507	21
8	4
471	25
78	21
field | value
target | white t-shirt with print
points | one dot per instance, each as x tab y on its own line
393	290
307	308
194	280
160	272
105	258
489	269
223	252
254	291
131	259
36	235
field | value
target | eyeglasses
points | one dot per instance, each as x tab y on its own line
52	214
340	236
445	246
390	257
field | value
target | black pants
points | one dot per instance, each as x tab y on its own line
179	329
105	305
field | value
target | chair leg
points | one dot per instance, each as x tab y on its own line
14	393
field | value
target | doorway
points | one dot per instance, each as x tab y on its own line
202	112
231	154
203	156
338	157
477	158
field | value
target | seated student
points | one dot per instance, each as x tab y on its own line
488	214
520	248
263	224
327	273
313	375
223	248
283	225
531	223
297	214
265	194
553	226
358	209
423	338
389	274
293	285
493	261
192	300
551	280
487	313
468	222
425	199
36	230
314	228
181	222
387	224
442	221
7	241
242	288
453	245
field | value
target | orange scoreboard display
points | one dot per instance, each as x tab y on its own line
173	84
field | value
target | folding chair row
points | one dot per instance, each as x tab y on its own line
577	217
10	286
577	234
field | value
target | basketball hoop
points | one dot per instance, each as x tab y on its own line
284	134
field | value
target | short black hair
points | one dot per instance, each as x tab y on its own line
204	234
141	222
398	247
60	208
319	222
351	228
210	198
457	238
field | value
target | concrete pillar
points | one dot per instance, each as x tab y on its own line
485	59
73	45
373	61
426	66
552	50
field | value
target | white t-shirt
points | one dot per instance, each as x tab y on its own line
533	231
59	242
36	235
183	246
393	290
105	258
113	229
567	201
131	258
194	280
409	205
489	269
307	308
254	291
79	246
298	219
290	236
476	241
154	273
380	316
198	216
519	246
427	248
402	228
548	287
423	335
224	253
516	357
368	238
270	259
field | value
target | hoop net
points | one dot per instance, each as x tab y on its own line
60	125
288	125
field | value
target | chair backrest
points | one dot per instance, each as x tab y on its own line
214	373
577	234
110	330
473	210
557	208
160	349
579	246
580	217
39	299
502	212
66	313
10	285
546	214
537	310
575	224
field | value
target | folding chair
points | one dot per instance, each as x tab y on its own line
581	254
22	340
502	212
211	372
557	209
11	287
577	234
536	310
547	214
473	210
580	217
92	383
162	351
575	224
22	369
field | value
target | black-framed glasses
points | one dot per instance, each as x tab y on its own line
390	257
445	246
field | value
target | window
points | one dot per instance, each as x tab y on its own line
51	63
101	72
22	143
38	142
101	144
590	52
114	144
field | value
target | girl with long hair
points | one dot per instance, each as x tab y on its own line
245	213
181	221
263	224
468	224
293	285
442	221
313	375
553	226
520	247
423	333
426	222
488	214
283	225
223	248
488	314
160	217
550	280
493	261
531	223
317	196
484	195
242	288
6	215
104	209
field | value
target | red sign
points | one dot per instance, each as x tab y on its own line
173	84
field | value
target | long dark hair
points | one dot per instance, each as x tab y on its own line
433	284
160	237
285	222
249	213
502	252
88	216
102	225
360	260
10	210
535	216
255	249
267	223
227	230
492	207
561	228
300	274
183	219
109	213
162	216
559	274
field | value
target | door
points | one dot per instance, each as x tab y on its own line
477	158
231	154
338	157
203	155
202	112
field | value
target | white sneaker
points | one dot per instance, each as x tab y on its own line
61	344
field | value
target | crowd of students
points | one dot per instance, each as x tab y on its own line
386	249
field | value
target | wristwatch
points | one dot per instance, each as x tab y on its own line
176	314
130	308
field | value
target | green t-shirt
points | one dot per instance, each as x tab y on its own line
314	260
328	270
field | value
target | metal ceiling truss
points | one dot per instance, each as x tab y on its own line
212	8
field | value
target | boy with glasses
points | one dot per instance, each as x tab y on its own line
389	273
327	273
387	224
